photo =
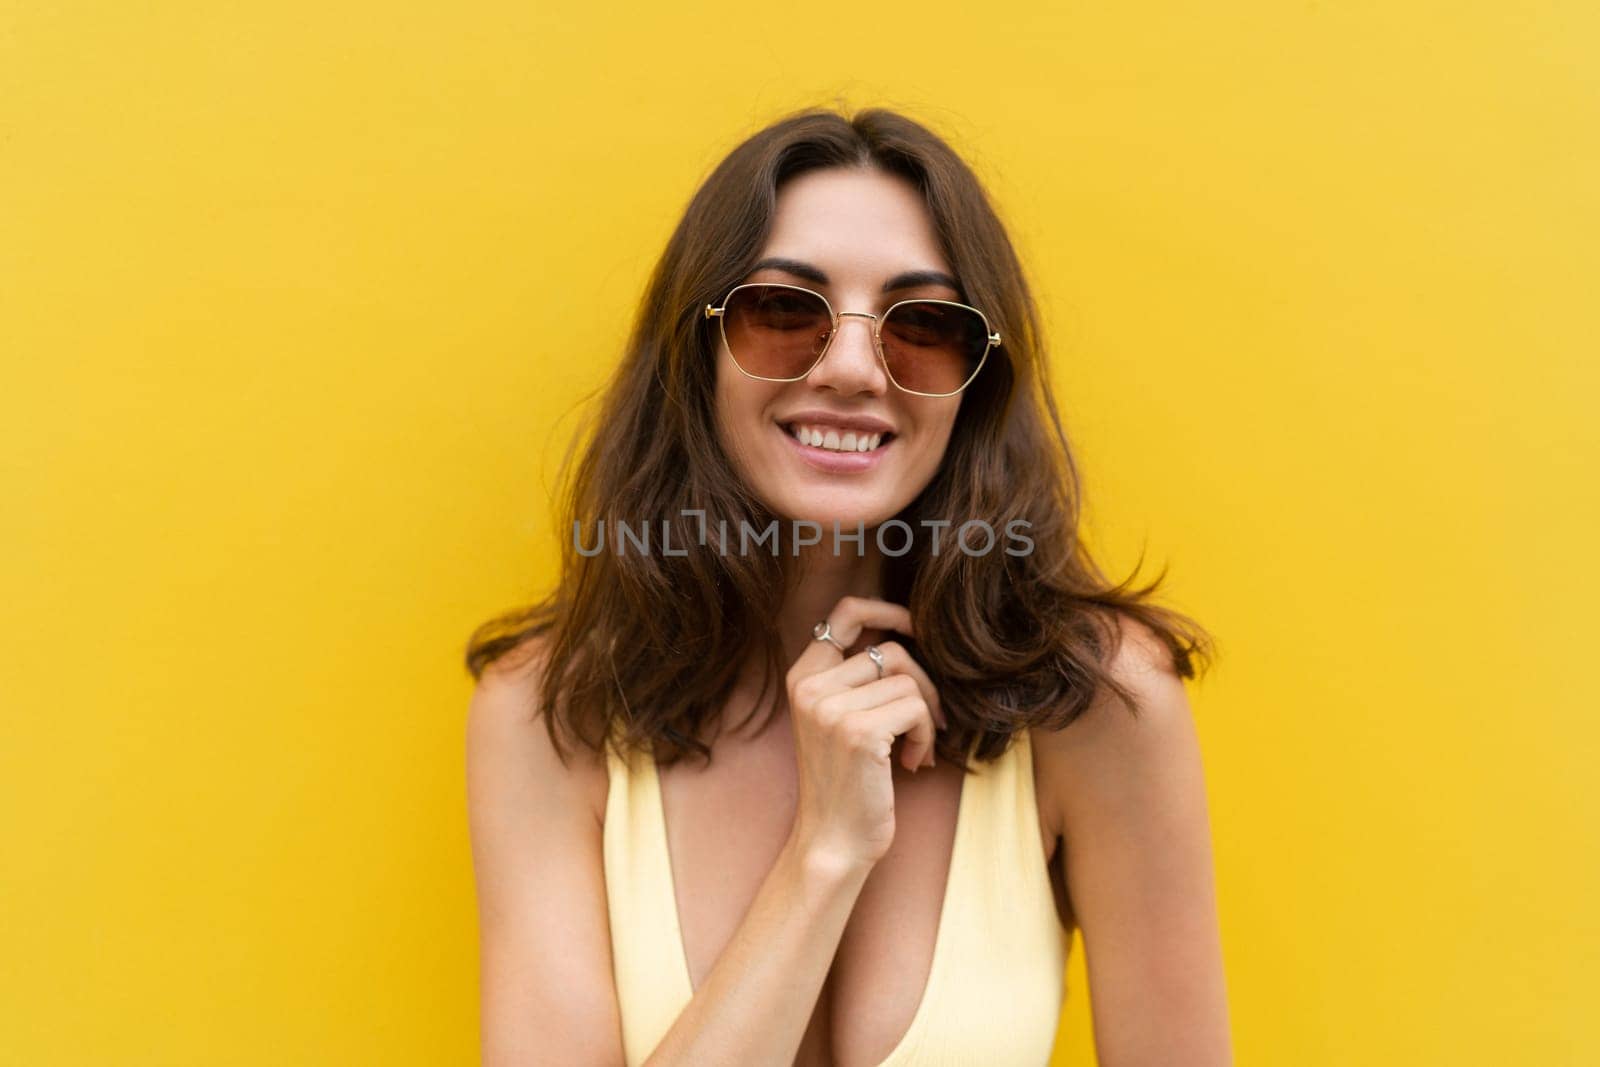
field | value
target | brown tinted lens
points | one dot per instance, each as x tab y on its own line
932	347
774	331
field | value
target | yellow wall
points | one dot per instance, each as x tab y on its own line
295	301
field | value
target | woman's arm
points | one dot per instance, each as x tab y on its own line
1131	798
759	997
548	994
546	991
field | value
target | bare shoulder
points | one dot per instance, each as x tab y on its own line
510	755
1109	749
537	838
1128	795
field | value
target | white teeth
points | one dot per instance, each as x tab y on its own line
833	440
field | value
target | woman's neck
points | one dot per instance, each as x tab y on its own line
821	578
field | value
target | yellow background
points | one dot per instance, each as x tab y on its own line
297	300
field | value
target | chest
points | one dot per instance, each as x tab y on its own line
725	826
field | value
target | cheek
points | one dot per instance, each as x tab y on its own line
722	409
740	406
732	402
935	427
931	458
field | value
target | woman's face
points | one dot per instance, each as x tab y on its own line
850	235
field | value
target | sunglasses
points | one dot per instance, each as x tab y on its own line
779	333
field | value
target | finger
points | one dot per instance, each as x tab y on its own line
892	691
845	623
909	716
856	670
897	660
859	669
869	695
852	614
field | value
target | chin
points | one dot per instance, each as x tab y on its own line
847	509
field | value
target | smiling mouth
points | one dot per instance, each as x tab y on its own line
832	439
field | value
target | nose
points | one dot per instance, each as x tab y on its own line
850	364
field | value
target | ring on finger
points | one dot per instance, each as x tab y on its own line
823	632
876	657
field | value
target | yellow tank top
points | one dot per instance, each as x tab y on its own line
994	990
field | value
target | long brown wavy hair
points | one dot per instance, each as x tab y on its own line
642	649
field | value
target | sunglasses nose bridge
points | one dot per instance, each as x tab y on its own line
838	321
833	335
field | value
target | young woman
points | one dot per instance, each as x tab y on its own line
832	731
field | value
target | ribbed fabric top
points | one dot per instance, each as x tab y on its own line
994	990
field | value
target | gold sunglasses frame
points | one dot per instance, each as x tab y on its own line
877	334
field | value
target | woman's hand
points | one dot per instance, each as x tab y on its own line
845	721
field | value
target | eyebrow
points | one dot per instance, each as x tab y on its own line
907	280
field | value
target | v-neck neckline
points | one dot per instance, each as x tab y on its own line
940	937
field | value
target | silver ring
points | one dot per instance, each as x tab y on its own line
876	657
823	632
